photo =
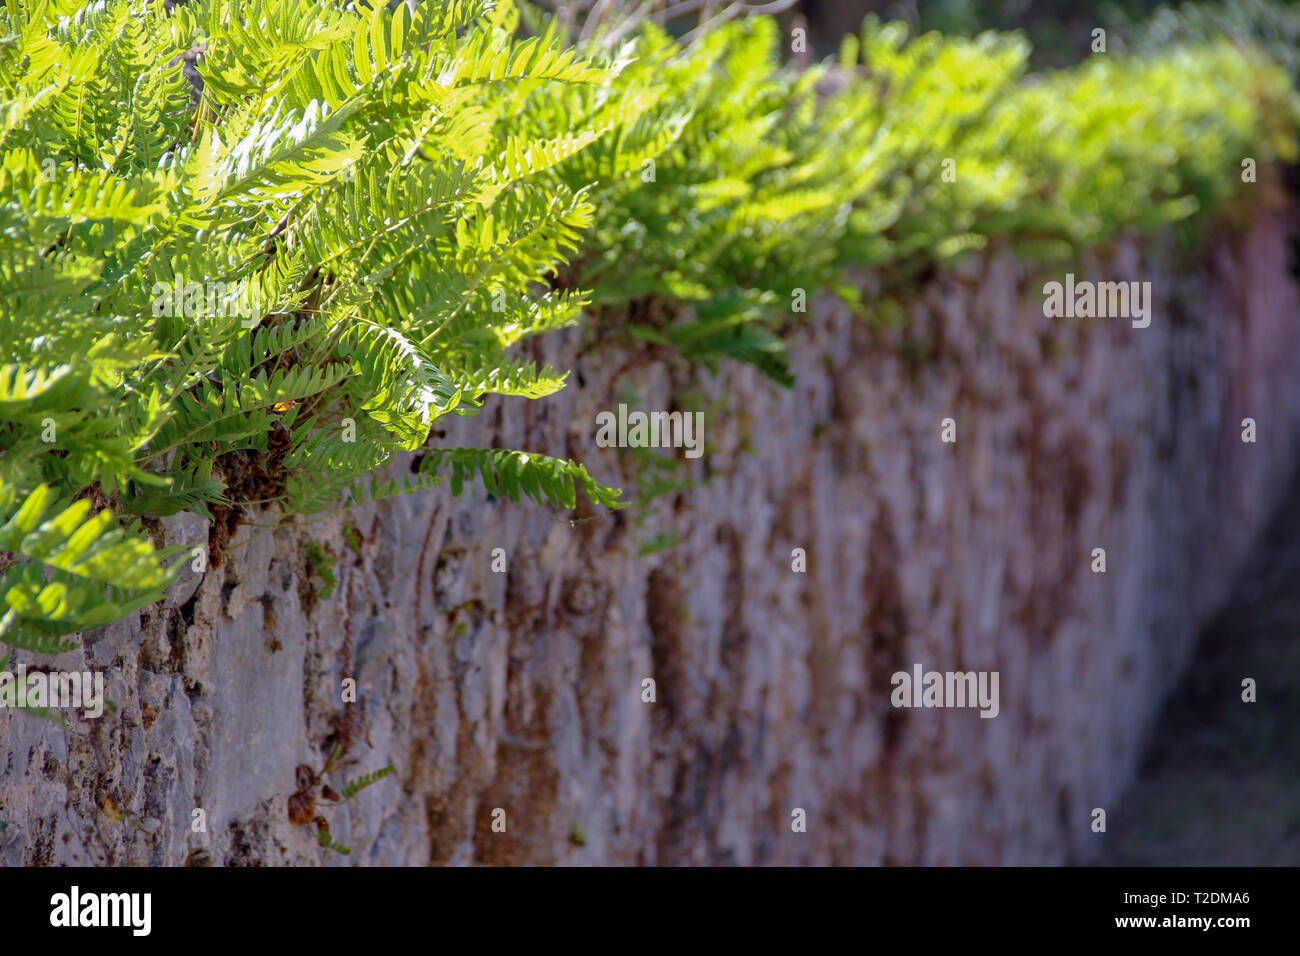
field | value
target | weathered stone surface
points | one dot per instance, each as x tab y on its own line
522	690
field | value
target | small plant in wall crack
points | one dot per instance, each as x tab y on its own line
322	565
313	792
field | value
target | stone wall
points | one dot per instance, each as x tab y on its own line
523	690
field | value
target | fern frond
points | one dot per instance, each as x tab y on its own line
506	474
356	785
326	840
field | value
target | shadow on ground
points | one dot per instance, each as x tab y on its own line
1220	782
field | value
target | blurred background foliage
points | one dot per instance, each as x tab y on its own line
1059	31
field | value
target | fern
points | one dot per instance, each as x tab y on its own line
506	474
355	786
763	188
326	840
80	570
292	235
266	228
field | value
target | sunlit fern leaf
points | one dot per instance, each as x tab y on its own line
507	474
